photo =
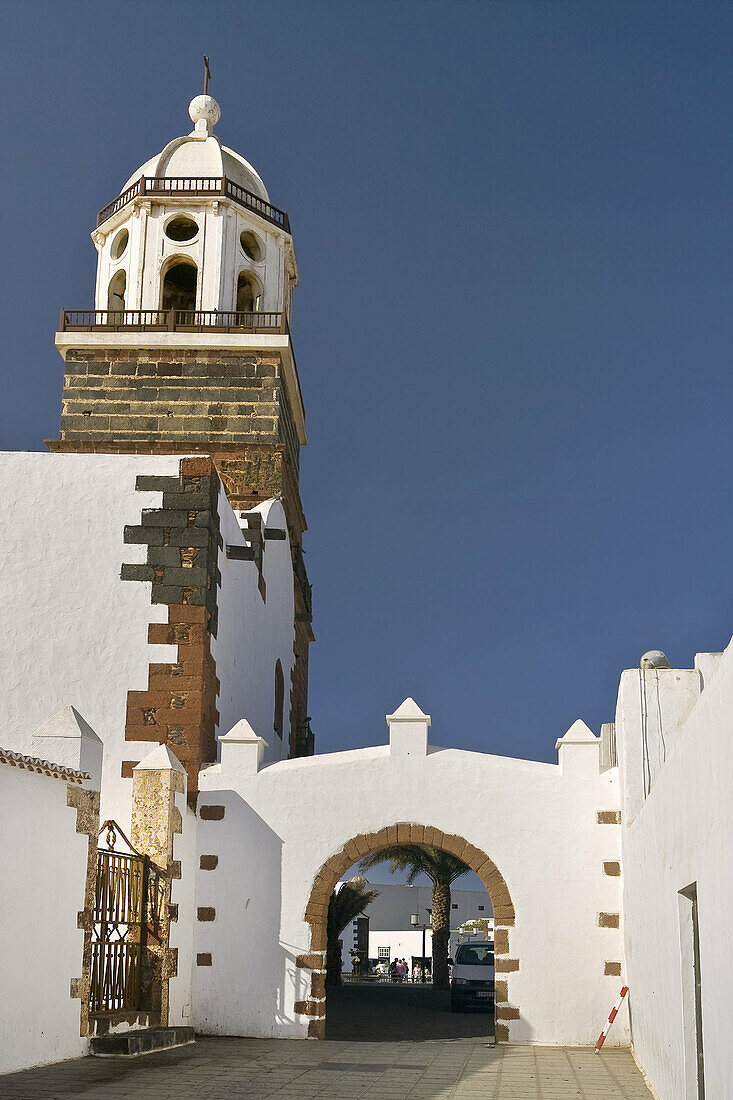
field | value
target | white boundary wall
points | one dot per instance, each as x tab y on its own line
43	868
677	834
537	821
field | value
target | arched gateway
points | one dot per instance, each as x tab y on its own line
404	833
273	840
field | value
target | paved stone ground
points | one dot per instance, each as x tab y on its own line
373	1056
390	1013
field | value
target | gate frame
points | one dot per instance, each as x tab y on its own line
316	914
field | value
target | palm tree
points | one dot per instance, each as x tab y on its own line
345	905
442	868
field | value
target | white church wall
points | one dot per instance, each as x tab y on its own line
538	822
76	633
679	835
253	633
43	868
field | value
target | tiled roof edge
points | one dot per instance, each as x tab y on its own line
44	767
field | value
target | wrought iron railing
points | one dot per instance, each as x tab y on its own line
196	186
171	320
127	911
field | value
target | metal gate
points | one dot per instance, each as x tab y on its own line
127	908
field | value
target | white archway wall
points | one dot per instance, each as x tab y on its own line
552	831
405	833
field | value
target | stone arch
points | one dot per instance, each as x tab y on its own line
116	291
179	284
248	293
325	881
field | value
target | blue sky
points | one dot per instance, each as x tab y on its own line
513	327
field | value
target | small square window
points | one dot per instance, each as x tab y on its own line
480	908
454	906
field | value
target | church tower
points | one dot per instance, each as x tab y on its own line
188	349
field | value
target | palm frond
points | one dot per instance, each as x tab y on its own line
346	905
438	865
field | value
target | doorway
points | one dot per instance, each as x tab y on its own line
424	995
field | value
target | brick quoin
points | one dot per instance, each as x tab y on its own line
403	833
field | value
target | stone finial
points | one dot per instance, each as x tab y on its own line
67	738
204	112
241	748
408	730
578	736
161	759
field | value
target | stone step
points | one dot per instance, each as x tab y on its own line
142	1041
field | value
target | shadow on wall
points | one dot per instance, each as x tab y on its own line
238	956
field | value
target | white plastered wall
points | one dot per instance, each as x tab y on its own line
676	835
537	822
43	867
253	633
75	632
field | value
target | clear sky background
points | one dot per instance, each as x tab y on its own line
513	327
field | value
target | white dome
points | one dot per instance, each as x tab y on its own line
202	154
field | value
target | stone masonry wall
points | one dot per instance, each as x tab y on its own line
172	395
231	406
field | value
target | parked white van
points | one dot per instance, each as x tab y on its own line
472	976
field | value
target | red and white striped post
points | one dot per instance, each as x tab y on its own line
611	1018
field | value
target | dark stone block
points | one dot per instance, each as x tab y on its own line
205	519
190	500
137	573
164	555
178	575
160	517
148	482
189	536
164	593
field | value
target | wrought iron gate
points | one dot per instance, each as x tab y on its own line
127	907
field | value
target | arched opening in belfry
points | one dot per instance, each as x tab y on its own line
373	995
247	297
116	292
179	286
279	699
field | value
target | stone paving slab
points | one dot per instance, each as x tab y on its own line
291	1069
